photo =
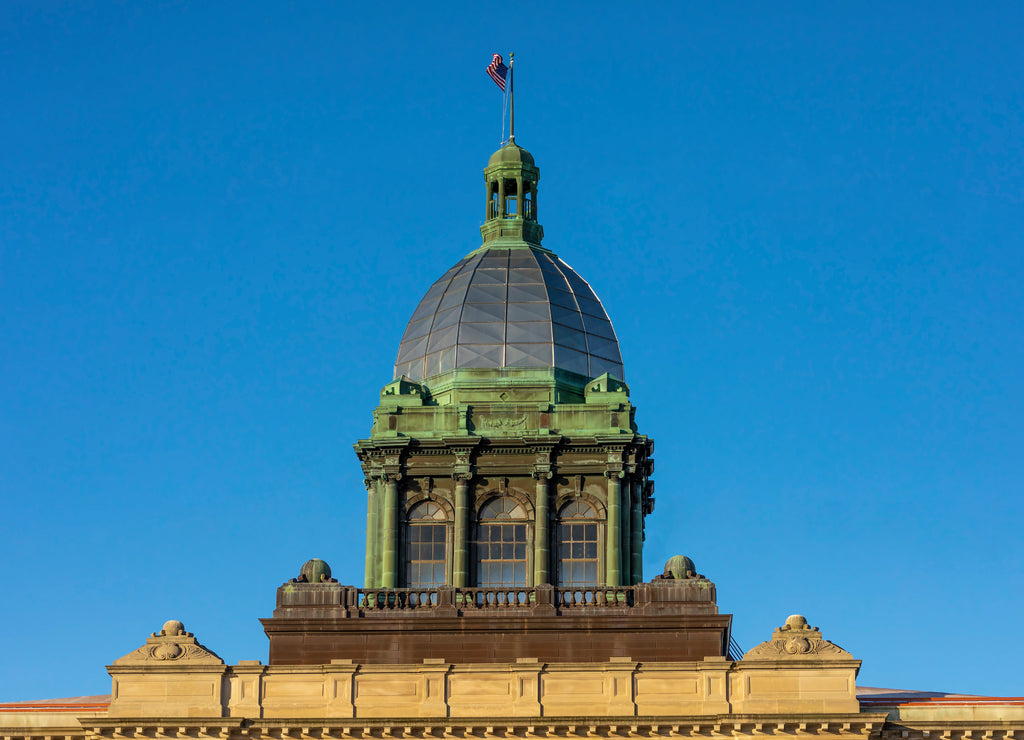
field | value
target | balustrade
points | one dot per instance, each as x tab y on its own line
482	599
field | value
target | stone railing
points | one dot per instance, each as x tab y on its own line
468	600
543	600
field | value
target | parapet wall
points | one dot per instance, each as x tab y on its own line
315	623
797	672
619	688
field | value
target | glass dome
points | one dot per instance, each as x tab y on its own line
502	307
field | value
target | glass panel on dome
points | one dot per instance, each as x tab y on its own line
522	258
447	317
414	348
494	258
406	370
546	263
481	333
607	348
600	327
442	338
443	280
480	355
524	275
569	317
490	277
426	308
571	360
562	298
460	281
483	312
468	266
437	288
528	331
583	290
590	307
452	299
485	294
574	279
447	359
557	284
572	338
417	329
528	312
599	366
528	355
527	293
431	364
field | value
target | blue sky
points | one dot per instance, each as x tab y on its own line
804	220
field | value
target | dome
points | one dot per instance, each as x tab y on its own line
511	153
679	566
509	307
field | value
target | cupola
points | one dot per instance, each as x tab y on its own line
511	213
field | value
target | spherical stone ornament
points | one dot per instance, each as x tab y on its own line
172	628
315	571
680	567
796	622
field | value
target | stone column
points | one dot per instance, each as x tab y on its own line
460	556
519	197
501	197
626	531
541	556
487	201
370	569
378	568
636	569
612	559
389	576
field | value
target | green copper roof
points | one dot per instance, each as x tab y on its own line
509	307
511	153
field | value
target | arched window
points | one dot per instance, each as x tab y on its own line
501	544
425	546
577	545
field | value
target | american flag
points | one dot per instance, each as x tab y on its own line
498	71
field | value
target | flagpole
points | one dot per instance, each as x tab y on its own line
504	110
512	94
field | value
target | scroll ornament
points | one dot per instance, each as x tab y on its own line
171	645
797	640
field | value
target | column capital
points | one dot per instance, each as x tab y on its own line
462	476
613	473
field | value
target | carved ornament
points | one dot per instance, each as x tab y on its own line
171	645
797	640
496	422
